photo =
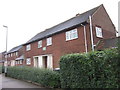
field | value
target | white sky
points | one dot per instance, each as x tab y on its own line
26	18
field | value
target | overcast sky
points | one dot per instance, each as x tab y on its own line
26	18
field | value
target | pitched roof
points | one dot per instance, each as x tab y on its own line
14	49
77	20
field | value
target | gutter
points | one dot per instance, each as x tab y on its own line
91	33
86	49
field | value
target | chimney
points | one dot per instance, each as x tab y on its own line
78	14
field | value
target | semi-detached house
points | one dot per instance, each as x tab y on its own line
79	34
15	56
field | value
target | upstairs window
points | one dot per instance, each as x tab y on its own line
28	47
49	41
39	44
70	35
11	54
28	61
99	32
16	53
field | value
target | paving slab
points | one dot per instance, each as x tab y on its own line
7	82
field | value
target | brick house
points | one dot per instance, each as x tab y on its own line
2	58
15	56
79	34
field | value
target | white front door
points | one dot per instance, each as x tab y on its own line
12	62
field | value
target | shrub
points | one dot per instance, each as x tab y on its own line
0	69
44	77
97	69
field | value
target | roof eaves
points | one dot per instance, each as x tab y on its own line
14	49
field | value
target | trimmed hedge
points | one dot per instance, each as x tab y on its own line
1	69
99	69
45	77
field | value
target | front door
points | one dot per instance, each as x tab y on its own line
45	61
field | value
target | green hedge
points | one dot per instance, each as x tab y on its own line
44	77
99	69
1	69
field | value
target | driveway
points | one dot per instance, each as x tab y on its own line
7	82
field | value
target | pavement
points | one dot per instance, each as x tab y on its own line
7	82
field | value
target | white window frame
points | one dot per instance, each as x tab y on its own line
99	32
11	54
20	61
8	55
40	44
49	41
16	62
28	61
16	53
72	34
28	47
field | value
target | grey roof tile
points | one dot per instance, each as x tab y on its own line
14	49
20	58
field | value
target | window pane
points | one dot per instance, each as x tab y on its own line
70	35
28	47
28	61
39	44
67	36
74	34
49	41
98	32
20	61
16	53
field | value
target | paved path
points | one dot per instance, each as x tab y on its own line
7	82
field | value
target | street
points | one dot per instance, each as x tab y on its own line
7	82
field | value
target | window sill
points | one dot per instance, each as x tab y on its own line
71	39
49	45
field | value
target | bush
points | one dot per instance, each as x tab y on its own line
99	69
1	69
44	77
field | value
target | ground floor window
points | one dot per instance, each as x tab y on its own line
28	61
19	62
